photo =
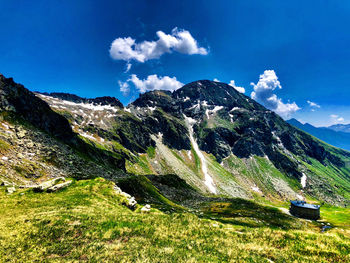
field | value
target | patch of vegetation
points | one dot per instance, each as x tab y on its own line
142	189
28	169
151	151
4	146
248	213
140	165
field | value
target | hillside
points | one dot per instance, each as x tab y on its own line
89	222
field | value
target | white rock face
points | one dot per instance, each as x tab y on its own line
208	180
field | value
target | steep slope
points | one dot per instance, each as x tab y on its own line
36	143
244	150
331	136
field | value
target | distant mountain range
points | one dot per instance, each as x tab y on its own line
336	135
340	127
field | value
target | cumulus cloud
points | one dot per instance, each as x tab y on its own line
336	118
124	87
313	104
179	41
152	82
264	94
239	89
216	80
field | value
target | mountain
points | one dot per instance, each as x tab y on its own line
88	179
340	127
37	143
217	140
331	136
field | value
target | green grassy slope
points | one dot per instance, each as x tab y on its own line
87	222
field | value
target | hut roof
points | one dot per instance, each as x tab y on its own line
304	204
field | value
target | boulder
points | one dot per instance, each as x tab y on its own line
60	186
146	208
11	190
46	185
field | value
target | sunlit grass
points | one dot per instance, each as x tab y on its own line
87	221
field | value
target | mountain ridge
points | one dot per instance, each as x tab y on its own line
340	127
336	138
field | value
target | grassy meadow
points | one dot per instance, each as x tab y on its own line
88	222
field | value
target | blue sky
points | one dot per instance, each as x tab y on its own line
65	46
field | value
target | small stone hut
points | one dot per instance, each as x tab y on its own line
304	210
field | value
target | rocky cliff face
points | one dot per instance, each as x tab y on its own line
18	104
17	99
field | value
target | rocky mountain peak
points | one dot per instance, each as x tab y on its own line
20	101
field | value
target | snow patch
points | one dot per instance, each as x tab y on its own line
256	189
300	197
208	180
303	180
151	108
84	134
63	103
280	144
189	153
210	112
231	117
235	108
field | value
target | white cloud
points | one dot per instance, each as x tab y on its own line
153	82
216	80
336	118
313	104
128	67
179	41
264	94
239	89
124	87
